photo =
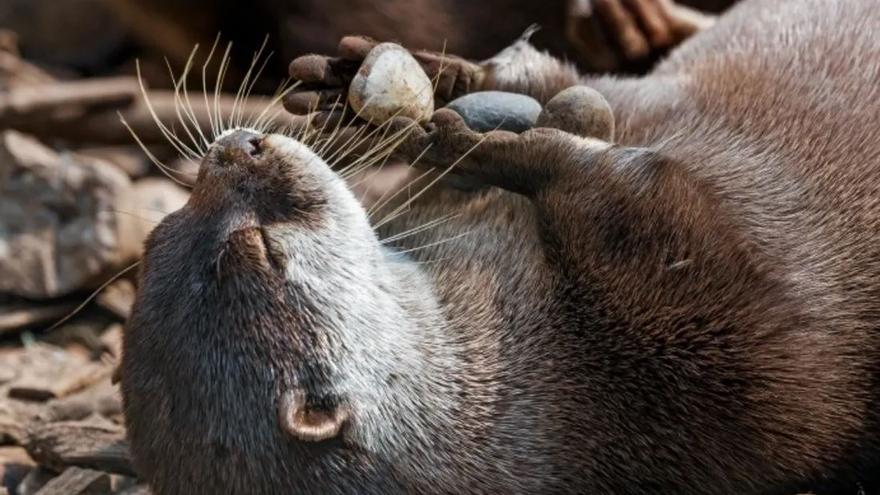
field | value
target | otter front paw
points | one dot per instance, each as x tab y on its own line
520	163
629	34
325	80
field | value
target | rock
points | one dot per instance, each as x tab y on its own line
391	83
59	229
579	110
68	221
485	111
128	159
150	200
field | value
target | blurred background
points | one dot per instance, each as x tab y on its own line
78	196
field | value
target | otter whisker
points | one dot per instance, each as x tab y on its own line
367	177
436	243
308	131
218	84
331	139
384	148
384	141
431	262
421	228
178	101
383	202
430	184
205	87
348	148
327	139
94	294
246	85
188	108
333	159
131	214
436	82
162	167
283	89
353	141
187	105
272	102
176	142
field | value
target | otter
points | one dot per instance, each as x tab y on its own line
687	304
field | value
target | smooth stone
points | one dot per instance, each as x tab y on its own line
485	111
579	110
391	83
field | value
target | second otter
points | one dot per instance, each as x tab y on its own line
691	309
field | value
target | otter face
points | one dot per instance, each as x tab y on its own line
270	332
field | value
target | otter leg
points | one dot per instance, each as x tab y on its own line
611	35
521	163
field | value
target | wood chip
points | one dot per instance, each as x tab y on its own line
34	481
77	481
104	127
15	317
26	100
49	372
111	340
90	444
14	418
102	398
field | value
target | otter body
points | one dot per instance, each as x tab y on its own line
691	309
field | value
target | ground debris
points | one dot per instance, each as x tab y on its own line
77	481
91	443
48	372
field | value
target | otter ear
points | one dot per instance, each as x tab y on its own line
581	111
306	423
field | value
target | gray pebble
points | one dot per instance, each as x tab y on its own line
485	111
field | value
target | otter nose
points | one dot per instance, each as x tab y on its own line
242	141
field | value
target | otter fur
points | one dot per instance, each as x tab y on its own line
691	307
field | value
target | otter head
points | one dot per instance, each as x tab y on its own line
274	344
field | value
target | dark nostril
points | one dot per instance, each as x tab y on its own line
256	146
243	141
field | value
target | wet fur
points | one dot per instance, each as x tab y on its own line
691	311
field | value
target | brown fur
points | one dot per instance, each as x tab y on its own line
692	310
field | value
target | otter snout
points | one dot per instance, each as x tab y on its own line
240	145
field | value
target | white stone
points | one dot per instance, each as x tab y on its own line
391	83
